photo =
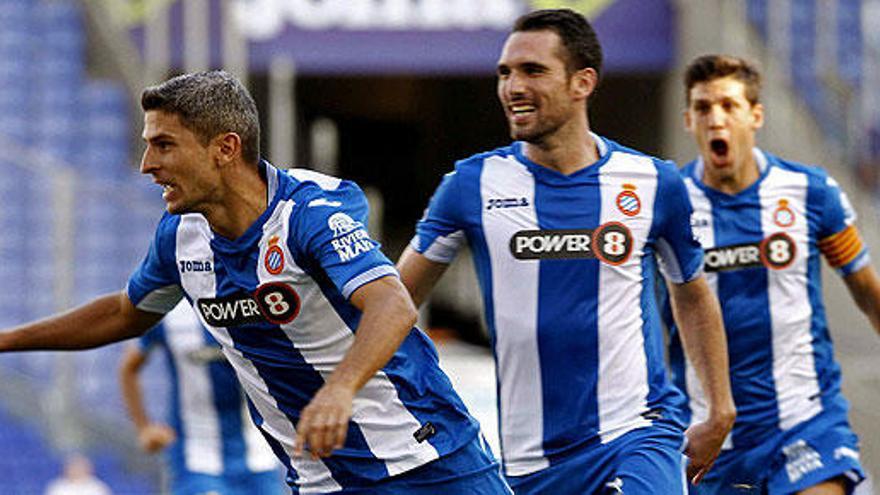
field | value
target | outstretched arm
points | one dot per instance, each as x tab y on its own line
698	316
864	287
152	437
419	274
387	317
107	319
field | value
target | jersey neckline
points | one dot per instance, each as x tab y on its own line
274	186
551	176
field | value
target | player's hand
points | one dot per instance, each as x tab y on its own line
323	424
155	437
704	444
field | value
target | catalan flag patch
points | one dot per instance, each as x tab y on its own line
843	247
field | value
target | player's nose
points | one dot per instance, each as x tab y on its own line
717	118
148	165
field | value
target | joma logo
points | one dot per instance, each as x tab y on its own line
195	266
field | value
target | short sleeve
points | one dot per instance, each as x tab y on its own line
681	256
839	239
155	285
329	229
439	233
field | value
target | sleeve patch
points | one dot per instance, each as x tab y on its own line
843	247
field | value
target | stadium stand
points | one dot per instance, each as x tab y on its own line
61	131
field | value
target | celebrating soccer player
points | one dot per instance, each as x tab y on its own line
307	309
564	226
764	222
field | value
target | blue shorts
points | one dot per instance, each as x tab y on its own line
471	470
645	461
814	451
263	483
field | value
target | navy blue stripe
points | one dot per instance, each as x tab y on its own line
428	395
827	369
567	287
745	305
471	204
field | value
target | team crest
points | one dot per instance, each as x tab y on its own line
783	216
628	201
274	259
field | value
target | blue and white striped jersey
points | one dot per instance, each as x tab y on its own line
762	258
276	299
567	268
215	434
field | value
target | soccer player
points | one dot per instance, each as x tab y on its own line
312	316
212	444
564	226
764	222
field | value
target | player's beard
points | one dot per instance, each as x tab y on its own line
534	134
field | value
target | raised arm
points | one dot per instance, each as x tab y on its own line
152	437
698	316
387	317
864	287
107	319
419	274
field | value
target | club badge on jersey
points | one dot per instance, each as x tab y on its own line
628	201
274	258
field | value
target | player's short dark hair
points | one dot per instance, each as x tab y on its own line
710	67
208	104
581	44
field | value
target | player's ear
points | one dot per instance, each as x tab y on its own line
227	147
688	120
584	82
757	116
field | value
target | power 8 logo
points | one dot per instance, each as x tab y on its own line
778	251
278	302
612	243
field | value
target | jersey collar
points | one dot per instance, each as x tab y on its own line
550	176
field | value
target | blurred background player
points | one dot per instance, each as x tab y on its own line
564	225
78	479
212	443
764	223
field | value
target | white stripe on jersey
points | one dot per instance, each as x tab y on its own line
202	438
794	370
258	456
193	240
703	225
515	302
326	182
323	338
622	387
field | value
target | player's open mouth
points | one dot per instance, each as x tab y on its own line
719	147
167	188
521	109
